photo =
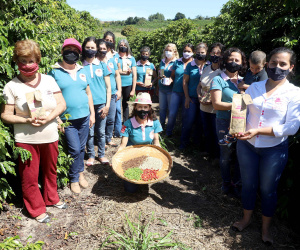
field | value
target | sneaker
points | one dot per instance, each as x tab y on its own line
228	139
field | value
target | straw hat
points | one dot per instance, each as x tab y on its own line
142	98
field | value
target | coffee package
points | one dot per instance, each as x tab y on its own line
161	72
148	77
126	64
34	102
205	92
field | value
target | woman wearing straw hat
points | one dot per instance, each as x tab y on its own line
141	128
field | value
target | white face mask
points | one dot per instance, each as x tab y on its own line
169	54
187	55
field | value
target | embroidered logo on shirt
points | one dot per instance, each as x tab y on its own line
277	100
108	69
99	72
116	59
123	129
111	65
82	77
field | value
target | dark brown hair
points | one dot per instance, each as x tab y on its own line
151	115
227	54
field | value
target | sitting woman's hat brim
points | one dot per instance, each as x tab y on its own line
129	102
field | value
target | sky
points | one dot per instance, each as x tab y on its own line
113	10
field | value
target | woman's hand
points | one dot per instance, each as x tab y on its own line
118	94
140	84
92	120
187	102
132	93
37	122
103	112
206	103
247	135
129	71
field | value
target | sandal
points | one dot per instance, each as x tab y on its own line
112	144
46	219
89	163
61	206
103	162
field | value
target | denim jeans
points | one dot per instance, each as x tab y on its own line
99	127
76	137
227	154
110	119
191	116
118	119
261	168
210	134
164	104
177	100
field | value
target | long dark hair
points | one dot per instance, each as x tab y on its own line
109	33
88	39
151	115
227	54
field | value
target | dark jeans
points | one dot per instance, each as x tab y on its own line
125	98
76	136
261	168
110	119
118	119
227	154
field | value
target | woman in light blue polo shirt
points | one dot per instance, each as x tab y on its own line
99	81
222	89
191	78
169	56
141	128
72	80
141	68
127	69
177	96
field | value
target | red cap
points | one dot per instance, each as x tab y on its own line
72	42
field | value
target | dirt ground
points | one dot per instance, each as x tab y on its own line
189	203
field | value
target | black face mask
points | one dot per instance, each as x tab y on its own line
123	49
200	57
233	67
144	58
214	59
70	57
110	45
90	53
142	114
277	74
102	52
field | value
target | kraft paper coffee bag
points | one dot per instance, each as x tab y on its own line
148	77
34	102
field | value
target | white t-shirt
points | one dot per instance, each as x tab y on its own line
14	94
206	78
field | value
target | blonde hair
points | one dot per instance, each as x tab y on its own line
27	48
173	46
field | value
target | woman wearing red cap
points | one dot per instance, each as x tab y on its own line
35	132
72	80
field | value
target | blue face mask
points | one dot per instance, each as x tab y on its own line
277	74
214	59
90	53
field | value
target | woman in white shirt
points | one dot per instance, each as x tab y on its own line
263	149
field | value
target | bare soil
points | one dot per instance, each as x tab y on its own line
189	203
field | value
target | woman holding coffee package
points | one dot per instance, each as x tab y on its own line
36	133
263	149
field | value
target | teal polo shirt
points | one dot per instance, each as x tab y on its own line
112	65
194	72
138	134
228	88
141	73
167	73
178	67
96	72
73	91
127	79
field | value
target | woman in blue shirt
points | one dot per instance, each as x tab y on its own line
191	78
222	89
72	80
127	69
169	56
99	81
141	69
177	96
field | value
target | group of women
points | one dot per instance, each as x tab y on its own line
202	82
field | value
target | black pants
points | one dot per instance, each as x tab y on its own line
125	98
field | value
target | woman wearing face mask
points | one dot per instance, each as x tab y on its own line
127	69
169	56
222	89
72	79
177	96
141	128
111	56
37	135
207	112
141	67
98	78
191	77
263	148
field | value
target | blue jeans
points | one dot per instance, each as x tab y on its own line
191	116
261	167
110	119
210	133
164	104
76	137
118	119
177	100
227	154
99	127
